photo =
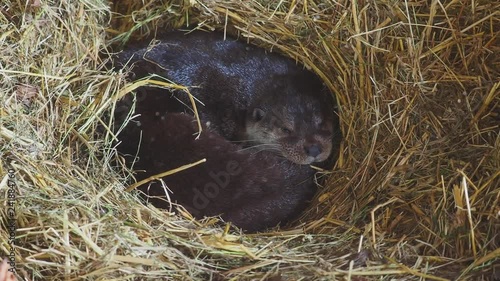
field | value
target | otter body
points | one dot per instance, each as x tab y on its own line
248	95
252	189
264	119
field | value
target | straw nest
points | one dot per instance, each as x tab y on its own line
414	195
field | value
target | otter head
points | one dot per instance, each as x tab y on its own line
293	117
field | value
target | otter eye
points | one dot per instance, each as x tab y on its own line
258	114
286	130
318	121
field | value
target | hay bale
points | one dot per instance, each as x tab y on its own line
415	193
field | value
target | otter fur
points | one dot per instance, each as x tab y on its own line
248	95
252	189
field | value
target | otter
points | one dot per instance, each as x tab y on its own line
252	189
258	98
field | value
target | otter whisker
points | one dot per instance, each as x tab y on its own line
264	144
262	147
246	140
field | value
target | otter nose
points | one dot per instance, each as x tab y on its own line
312	150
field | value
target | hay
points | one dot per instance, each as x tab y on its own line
414	195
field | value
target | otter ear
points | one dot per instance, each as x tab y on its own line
258	114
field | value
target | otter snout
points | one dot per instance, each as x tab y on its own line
303	139
312	150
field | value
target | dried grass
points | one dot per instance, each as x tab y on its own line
414	195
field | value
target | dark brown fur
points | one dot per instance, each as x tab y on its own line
249	95
278	115
253	190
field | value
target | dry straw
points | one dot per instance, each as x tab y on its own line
414	195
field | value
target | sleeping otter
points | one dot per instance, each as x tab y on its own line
251	96
252	189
